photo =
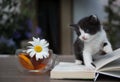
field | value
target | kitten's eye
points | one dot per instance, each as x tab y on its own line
87	30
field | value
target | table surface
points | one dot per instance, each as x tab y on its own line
10	73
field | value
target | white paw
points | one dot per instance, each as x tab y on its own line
107	49
90	66
78	62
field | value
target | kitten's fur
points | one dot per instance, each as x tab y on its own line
91	40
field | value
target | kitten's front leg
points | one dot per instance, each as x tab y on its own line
88	60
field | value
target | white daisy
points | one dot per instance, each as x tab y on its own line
39	48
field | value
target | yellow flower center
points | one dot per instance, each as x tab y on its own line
38	48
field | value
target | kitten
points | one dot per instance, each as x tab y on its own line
91	40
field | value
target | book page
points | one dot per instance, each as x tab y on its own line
107	59
115	65
112	73
69	66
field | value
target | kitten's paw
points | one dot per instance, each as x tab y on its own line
91	66
107	49
78	62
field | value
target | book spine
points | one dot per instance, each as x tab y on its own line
96	76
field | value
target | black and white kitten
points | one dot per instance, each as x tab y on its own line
91	40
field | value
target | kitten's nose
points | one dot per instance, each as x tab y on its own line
84	38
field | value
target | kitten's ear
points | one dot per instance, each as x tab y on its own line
73	25
93	18
76	28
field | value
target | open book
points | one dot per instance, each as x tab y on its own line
108	64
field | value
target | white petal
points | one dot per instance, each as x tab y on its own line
32	54
43	41
38	39
29	50
46	45
45	54
39	56
34	39
31	42
45	49
30	47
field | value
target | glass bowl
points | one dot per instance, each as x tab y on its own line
26	63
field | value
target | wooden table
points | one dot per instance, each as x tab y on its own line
10	73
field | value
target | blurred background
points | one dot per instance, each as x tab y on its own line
20	20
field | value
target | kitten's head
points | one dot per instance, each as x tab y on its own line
87	27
